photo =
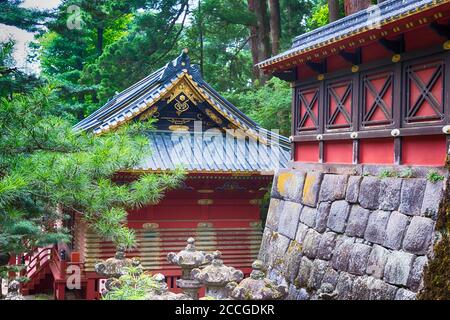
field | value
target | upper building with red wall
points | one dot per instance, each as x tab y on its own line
371	88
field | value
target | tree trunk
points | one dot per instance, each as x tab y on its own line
253	41
200	32
100	40
263	28
333	10
352	6
275	25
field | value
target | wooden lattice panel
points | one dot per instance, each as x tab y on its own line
339	105
308	109
377	99
239	246
424	92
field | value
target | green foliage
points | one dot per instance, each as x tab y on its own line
433	176
270	105
319	17
47	169
134	285
12	14
406	173
386	173
436	279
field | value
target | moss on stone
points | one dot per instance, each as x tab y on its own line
437	274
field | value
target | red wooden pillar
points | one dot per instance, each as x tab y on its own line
12	261
90	289
59	289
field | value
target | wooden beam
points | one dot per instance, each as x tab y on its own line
319	67
397	150
353	57
441	29
289	75
396	46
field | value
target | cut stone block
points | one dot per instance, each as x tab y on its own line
390	193
292	261
376	226
432	198
361	288
304	272
311	243
395	230
416	275
308	216
333	187
326	246
369	193
289	217
403	294
398	267
353	189
273	214
357	221
419	235
311	188
317	273
301	233
337	218
412	196
289	185
359	256
380	290
331	276
377	261
323	212
341	255
344	286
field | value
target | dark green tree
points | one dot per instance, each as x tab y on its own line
47	169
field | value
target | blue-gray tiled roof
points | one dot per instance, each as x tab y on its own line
248	155
197	153
367	19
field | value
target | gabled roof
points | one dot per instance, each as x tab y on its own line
373	19
171	150
134	102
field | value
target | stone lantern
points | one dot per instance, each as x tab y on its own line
113	268
257	286
161	292
216	276
189	259
14	291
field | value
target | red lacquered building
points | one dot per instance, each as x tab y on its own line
230	162
373	87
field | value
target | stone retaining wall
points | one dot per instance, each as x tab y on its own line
367	237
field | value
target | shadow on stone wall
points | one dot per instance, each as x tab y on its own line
355	236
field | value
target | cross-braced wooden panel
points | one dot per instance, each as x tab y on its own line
377	99
307	109
424	92
339	105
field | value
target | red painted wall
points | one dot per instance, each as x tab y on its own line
424	150
338	151
376	151
306	151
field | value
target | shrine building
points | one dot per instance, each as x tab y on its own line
371	88
229	160
353	215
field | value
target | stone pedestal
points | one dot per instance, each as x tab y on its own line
189	259
257	286
113	268
14	291
216	277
